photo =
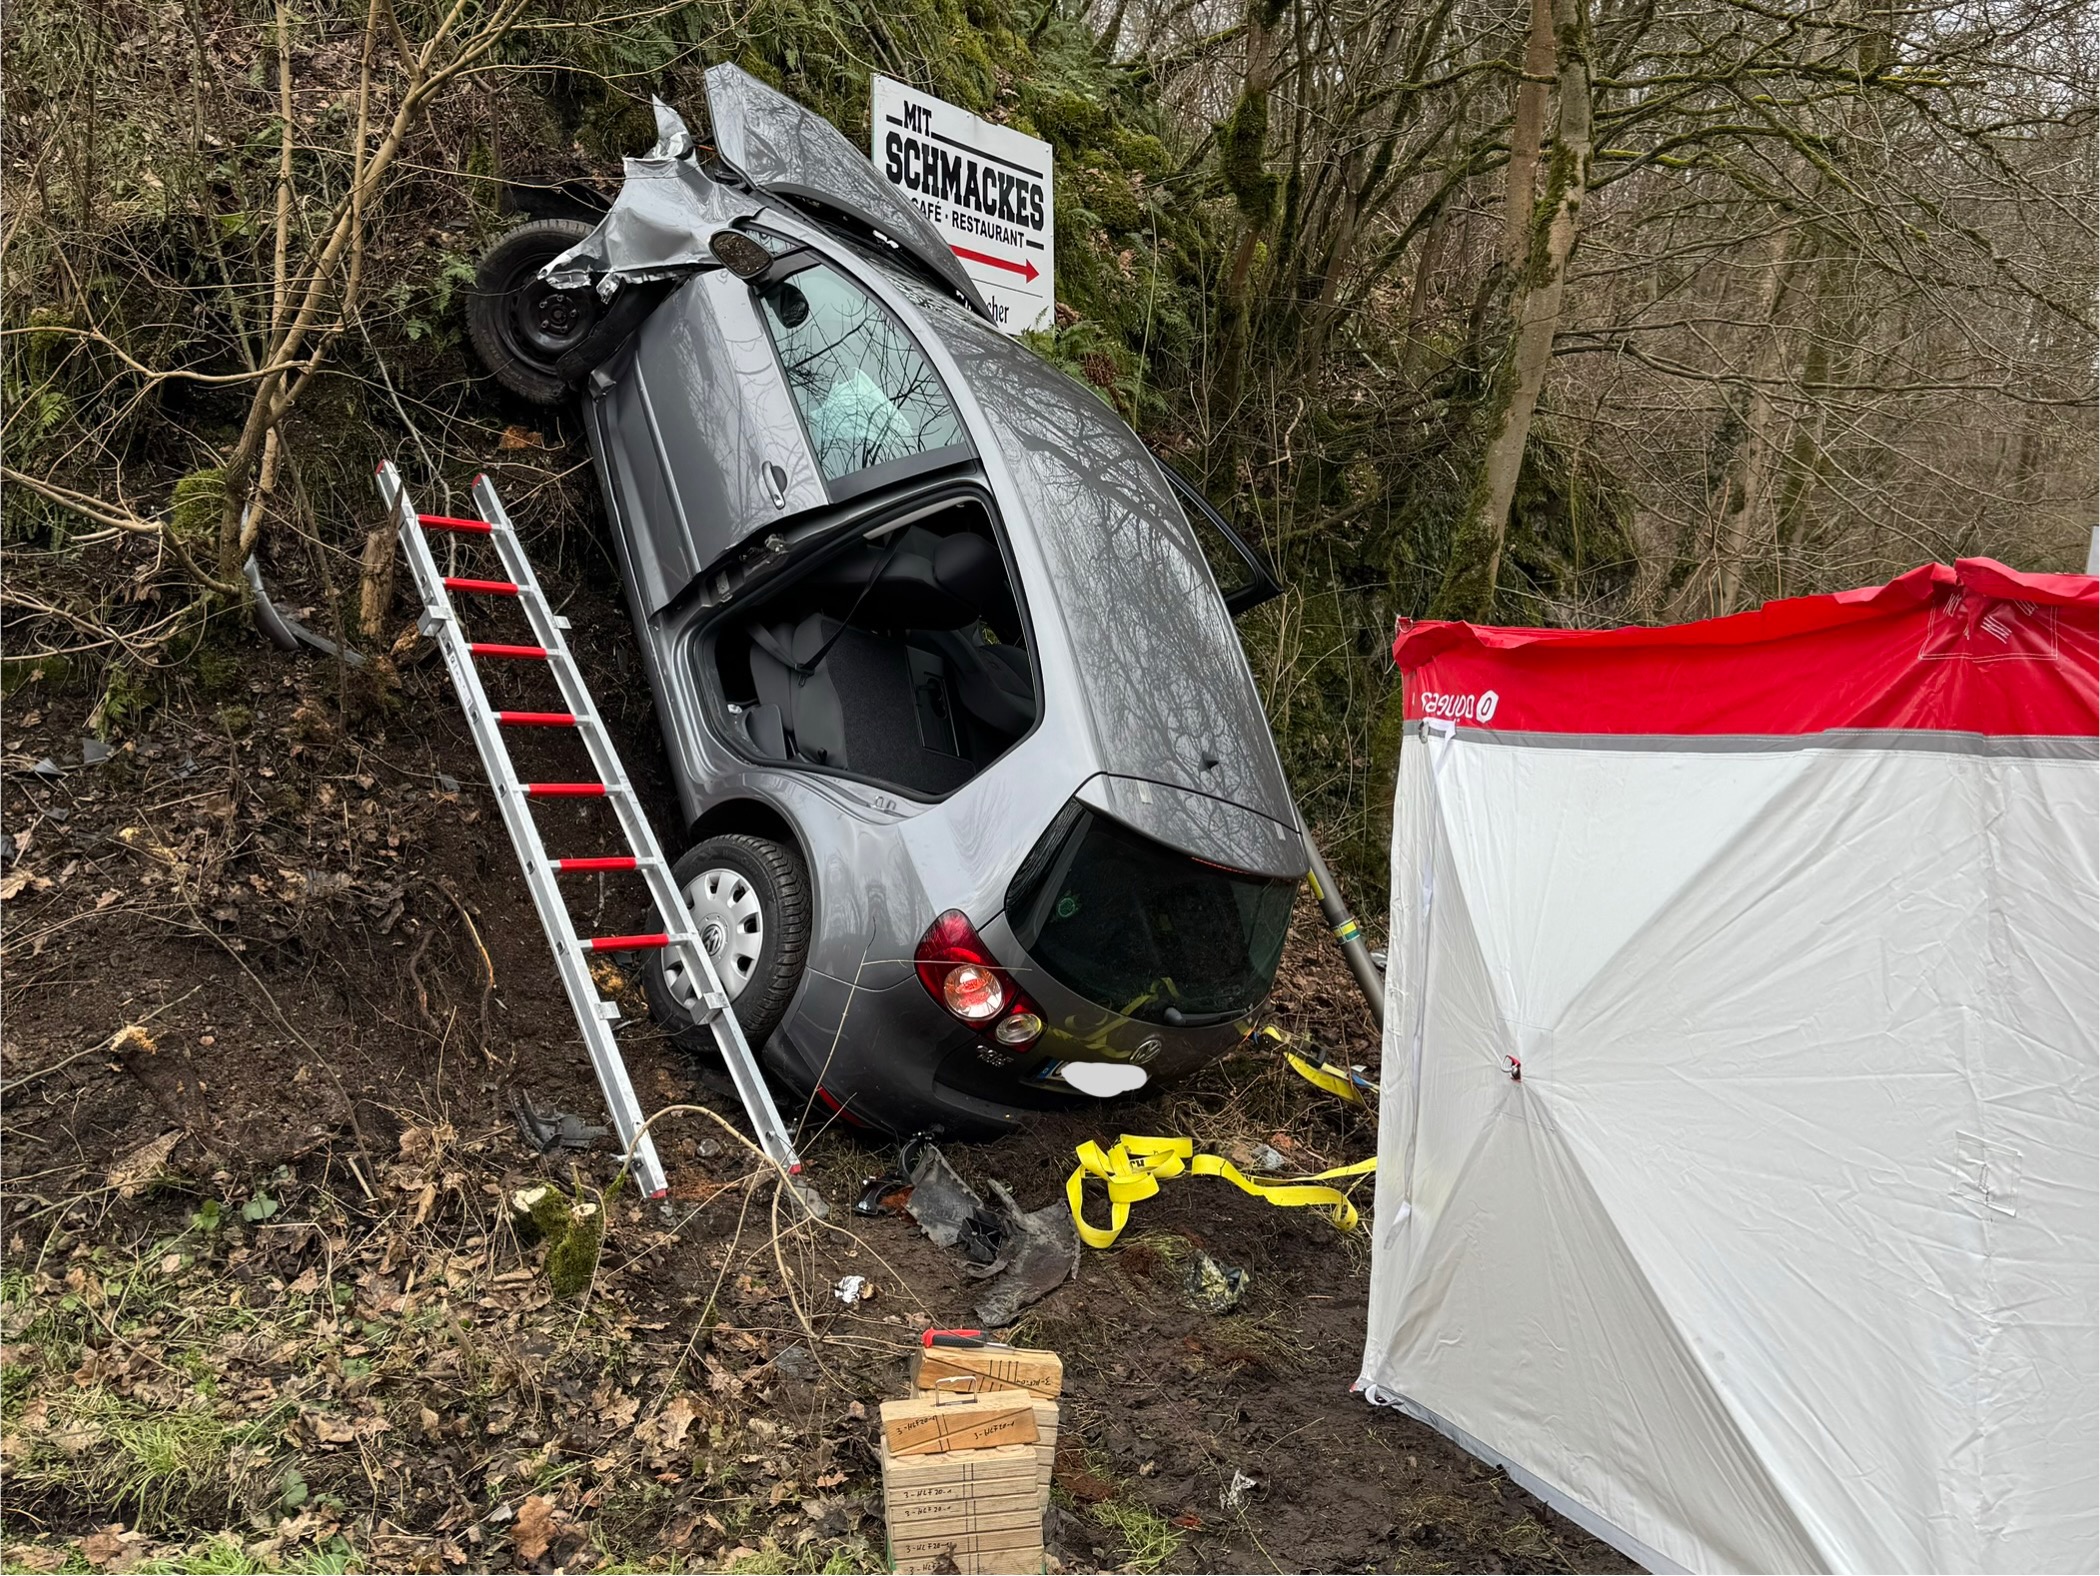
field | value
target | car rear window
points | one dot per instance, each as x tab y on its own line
866	393
1137	927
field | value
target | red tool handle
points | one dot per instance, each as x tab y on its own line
954	1338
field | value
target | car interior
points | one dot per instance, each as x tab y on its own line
900	658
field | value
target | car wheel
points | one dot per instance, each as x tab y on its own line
749	899
520	325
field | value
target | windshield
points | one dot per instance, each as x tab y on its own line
866	394
1136	927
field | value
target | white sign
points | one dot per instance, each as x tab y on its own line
986	189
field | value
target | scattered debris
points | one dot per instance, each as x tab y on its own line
48	769
948	1210
852	1290
93	751
1267	1158
1042	1254
795	1362
1215	1287
888	1194
1237	1490
552	1129
1030	1252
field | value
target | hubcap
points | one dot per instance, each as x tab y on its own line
732	929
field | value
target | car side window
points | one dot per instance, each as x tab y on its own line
866	393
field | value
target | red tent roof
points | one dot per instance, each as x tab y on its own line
1976	648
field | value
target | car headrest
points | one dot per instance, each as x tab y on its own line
967	567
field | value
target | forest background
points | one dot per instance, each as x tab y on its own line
1573	312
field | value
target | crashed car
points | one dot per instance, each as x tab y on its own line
983	815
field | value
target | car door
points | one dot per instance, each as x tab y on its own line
746	405
1243	574
702	436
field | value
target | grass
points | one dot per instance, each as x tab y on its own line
1149	1539
225	1557
850	1558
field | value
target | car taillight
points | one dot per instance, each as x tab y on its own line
959	973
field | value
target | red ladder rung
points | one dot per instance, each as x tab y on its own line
487	648
446	522
627	943
597	862
564	790
481	587
537	719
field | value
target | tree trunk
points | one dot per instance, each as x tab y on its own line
1414	354
1527	130
1468	590
1242	157
1747	493
375	583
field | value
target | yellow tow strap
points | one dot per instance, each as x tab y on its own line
1337	1081
1135	1165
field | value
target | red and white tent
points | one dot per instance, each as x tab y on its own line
1740	1149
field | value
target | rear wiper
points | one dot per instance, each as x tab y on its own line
1177	1019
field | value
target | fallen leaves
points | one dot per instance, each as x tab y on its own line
539	1522
675	1419
22	879
137	1167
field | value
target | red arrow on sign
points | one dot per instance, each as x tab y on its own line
1027	269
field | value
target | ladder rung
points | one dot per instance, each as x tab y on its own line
627	943
537	719
597	862
446	522
565	790
484	587
486	648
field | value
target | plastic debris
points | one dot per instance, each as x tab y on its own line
1237	1490
888	1194
794	1362
1215	1287
552	1129
1025	1254
853	1290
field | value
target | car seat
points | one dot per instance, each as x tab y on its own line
890	679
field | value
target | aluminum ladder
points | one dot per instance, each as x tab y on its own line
573	951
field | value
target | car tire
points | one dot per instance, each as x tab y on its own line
740	889
521	327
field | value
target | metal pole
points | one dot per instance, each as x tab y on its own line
1347	935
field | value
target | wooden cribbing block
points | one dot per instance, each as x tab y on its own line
1045	1446
977	1510
988	1368
909	1482
929	1423
1014	1549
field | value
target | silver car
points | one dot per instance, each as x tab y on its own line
983	816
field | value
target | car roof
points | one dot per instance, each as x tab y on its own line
1163	673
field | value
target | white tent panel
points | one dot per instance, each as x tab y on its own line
1781	1253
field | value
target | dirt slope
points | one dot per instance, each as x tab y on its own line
264	1307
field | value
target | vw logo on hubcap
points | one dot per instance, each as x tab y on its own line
712	938
1145	1052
